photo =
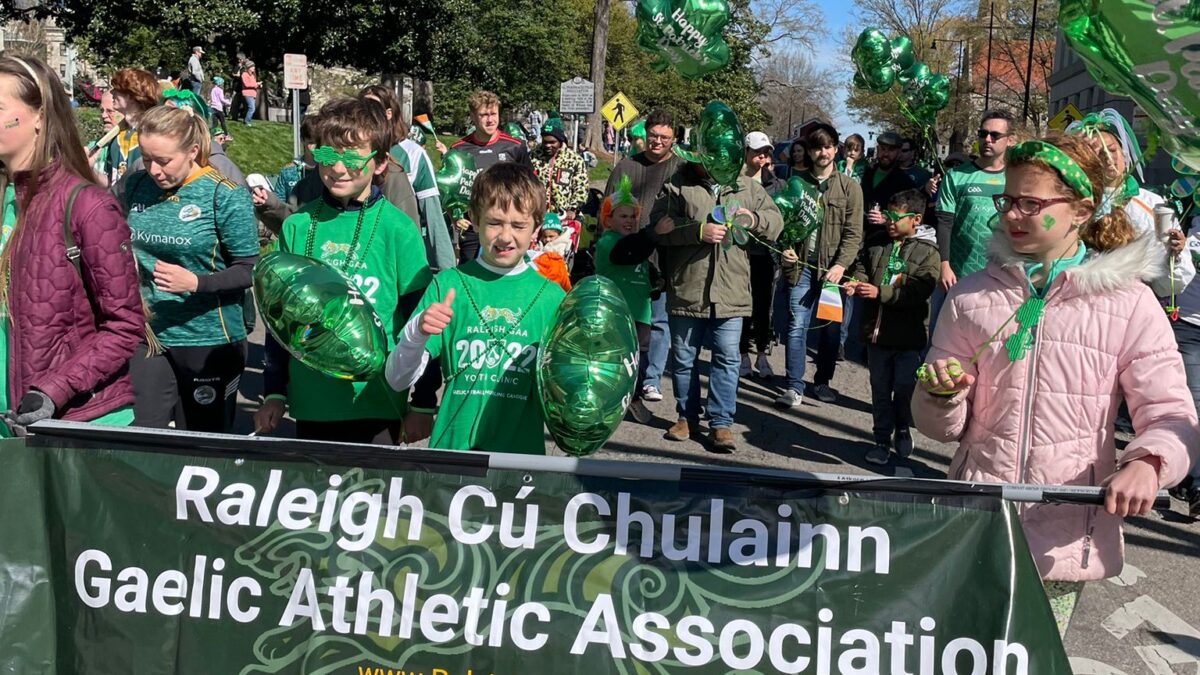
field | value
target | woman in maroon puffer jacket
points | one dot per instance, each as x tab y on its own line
71	319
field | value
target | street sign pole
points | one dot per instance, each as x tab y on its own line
297	151
575	135
295	78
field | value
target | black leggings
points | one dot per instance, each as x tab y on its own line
762	287
219	120
195	386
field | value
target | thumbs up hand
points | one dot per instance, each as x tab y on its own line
437	316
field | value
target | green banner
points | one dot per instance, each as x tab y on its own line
159	553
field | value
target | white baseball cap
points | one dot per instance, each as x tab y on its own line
757	140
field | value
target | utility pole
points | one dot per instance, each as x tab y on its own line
1029	63
987	85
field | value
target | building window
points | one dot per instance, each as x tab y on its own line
62	49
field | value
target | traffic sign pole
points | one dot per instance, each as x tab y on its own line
295	78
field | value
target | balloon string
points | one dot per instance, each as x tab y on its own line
769	247
926	136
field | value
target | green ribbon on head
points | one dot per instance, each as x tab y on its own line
185	98
1049	155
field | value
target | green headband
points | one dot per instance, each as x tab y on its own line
1045	153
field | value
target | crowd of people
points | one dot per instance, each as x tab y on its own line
1040	266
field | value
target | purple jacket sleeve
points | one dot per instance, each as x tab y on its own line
110	279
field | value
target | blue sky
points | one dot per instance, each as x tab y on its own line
838	15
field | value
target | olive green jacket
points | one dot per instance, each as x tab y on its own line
709	280
841	231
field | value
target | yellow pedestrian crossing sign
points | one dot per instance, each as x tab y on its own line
619	111
1063	119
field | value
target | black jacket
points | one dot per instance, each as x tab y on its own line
896	320
896	181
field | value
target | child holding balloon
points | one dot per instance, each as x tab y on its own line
484	320
354	228
1032	355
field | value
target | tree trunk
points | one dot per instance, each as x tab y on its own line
599	54
423	98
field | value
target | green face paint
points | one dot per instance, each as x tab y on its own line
13	124
1048	223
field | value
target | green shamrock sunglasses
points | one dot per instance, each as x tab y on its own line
349	158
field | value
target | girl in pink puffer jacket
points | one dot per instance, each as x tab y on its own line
1032	357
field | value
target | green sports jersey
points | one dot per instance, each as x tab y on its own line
966	191
489	358
633	280
388	264
200	225
416	164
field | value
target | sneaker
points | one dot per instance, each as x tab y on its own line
764	367
678	431
1189	493
640	413
722	441
789	399
880	454
651	393
903	442
745	371
826	394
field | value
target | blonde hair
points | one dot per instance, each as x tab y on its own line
482	99
508	185
1110	231
179	123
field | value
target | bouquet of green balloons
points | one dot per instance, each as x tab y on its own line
881	63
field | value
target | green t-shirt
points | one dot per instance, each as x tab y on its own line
388	264
966	191
181	227
489	358
633	280
121	417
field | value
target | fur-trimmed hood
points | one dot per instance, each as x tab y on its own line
1100	272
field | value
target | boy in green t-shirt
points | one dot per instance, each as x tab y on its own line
355	229
628	266
485	320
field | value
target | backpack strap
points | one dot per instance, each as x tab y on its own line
73	251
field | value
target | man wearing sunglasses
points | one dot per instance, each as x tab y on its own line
648	171
965	209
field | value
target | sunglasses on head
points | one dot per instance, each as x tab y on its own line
350	159
991	135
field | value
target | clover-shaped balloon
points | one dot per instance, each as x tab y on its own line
455	180
319	316
720	144
872	57
684	35
1148	53
803	212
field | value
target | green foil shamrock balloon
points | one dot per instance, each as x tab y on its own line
803	212
684	35
873	59
587	366
1149	51
720	144
319	316
454	182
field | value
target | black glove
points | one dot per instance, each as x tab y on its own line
35	407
